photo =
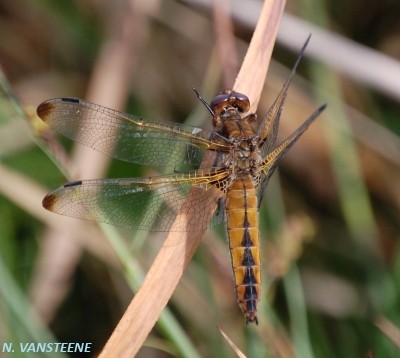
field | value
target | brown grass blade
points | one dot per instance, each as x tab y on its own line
238	352
253	71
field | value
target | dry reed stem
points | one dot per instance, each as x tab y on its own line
371	67
389	329
253	71
179	247
225	38
235	348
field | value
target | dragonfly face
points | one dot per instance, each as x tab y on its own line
244	160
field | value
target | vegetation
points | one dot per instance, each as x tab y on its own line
330	216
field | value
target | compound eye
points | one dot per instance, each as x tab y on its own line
240	101
232	99
219	100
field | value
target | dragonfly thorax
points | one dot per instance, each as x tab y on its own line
233	122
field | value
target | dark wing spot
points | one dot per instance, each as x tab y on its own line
44	110
49	201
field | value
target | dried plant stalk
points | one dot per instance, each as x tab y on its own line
253	71
179	247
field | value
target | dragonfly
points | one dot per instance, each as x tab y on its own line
235	161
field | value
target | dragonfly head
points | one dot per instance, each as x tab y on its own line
229	101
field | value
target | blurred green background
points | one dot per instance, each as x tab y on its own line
329	220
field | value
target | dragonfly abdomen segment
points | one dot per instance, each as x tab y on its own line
242	226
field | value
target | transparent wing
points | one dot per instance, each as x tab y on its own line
143	203
268	129
272	159
126	137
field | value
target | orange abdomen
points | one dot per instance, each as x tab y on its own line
242	226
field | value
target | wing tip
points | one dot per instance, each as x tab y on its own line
44	109
49	201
